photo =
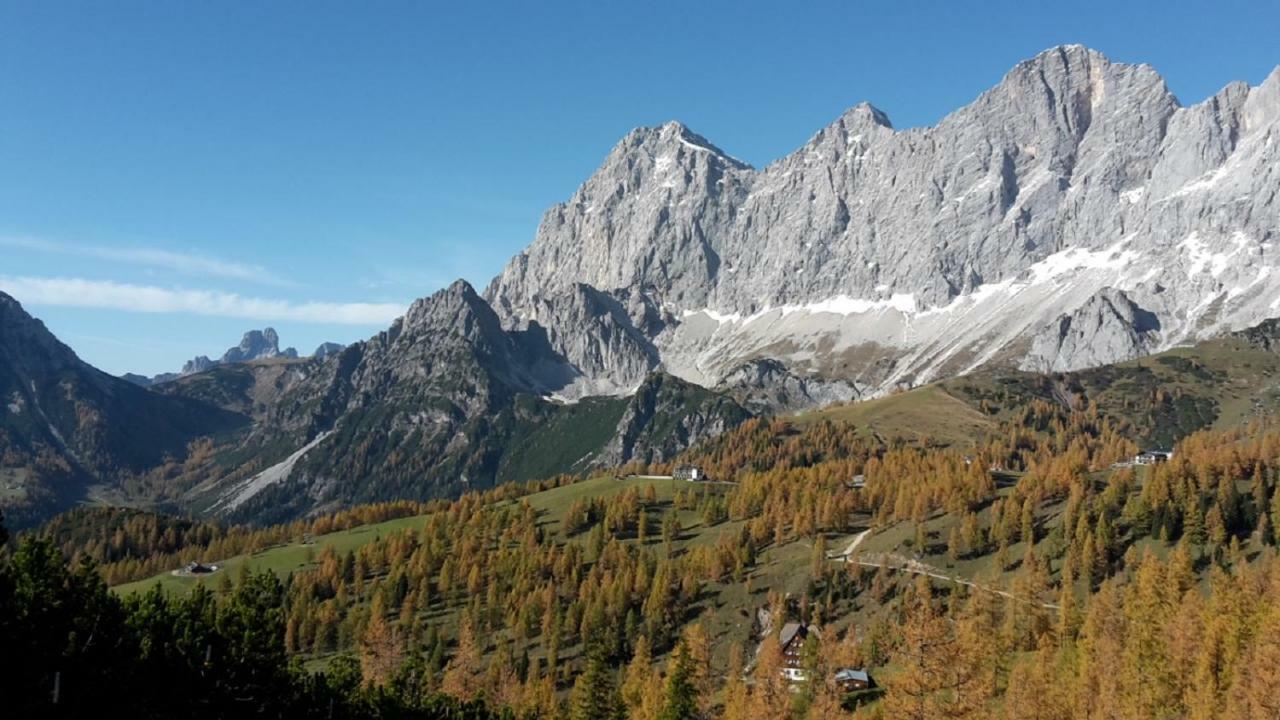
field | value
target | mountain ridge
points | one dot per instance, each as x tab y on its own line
1032	202
1074	215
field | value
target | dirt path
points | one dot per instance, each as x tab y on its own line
852	546
915	567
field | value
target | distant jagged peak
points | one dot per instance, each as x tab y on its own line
258	345
254	345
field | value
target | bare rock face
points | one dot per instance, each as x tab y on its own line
606	350
1108	328
888	258
650	432
768	386
258	345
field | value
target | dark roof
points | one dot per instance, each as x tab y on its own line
788	633
791	630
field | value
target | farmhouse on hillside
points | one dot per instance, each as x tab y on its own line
690	473
792	642
1152	457
851	680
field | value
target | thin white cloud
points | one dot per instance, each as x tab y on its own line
79	292
185	263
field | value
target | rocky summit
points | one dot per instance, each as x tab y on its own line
1075	214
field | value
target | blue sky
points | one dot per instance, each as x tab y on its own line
174	173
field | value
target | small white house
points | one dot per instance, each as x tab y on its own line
691	473
1152	457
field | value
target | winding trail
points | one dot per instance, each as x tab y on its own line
915	567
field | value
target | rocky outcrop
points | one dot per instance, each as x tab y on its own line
254	345
768	387
1265	336
1108	328
258	345
327	349
664	417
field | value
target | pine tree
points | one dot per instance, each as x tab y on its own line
595	696
735	690
818	571
681	688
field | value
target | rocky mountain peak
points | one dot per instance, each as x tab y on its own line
674	141
853	132
327	349
864	115
258	345
261	344
456	305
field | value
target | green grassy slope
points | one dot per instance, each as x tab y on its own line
1162	398
928	413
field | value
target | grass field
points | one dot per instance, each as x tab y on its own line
928	412
281	559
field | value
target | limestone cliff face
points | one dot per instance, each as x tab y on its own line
885	257
1106	329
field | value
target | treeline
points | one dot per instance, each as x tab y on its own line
488	601
1150	643
129	544
70	648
